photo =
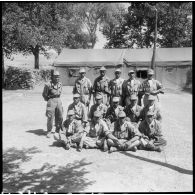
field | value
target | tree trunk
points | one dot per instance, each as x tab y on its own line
3	71
36	55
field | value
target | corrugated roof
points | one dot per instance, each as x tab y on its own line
90	57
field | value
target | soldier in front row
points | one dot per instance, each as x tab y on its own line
115	86
54	109
152	138
150	87
83	87
130	87
101	86
79	110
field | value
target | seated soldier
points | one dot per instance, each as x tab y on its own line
113	111
153	107
125	136
133	110
79	110
70	132
152	138
95	133
98	106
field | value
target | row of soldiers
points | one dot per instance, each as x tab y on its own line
124	116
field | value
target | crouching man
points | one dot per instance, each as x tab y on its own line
71	132
96	133
125	136
152	138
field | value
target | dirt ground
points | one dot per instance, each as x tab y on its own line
36	163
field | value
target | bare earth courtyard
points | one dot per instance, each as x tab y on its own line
34	162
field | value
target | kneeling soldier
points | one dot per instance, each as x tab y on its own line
133	110
151	133
96	132
125	136
98	106
70	132
113	111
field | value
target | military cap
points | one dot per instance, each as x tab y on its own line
76	95
133	97
82	70
121	114
150	71
131	71
71	112
97	114
56	73
115	99
102	68
98	97
151	97
118	70
150	113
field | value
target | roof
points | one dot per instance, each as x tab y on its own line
164	56
90	57
131	57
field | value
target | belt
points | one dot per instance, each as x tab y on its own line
54	96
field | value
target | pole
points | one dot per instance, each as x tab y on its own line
154	48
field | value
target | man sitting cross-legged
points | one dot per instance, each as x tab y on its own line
125	135
70	132
151	133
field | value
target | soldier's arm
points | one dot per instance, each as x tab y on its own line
159	88
45	92
84	117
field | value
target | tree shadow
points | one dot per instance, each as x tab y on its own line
49	178
173	167
39	132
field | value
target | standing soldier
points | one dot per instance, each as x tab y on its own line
98	106
115	86
51	94
150	87
79	110
101	86
130	87
83	87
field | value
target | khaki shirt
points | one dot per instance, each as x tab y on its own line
51	91
133	113
125	131
112	113
80	111
115	86
82	86
101	85
131	87
152	131
72	127
97	130
102	108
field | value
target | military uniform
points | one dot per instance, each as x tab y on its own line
115	86
80	111
154	108
54	109
83	87
130	87
101	86
152	135
102	108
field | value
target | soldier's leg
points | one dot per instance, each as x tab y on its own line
127	101
90	142
110	143
58	115
132	145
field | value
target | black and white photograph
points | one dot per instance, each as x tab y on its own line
97	97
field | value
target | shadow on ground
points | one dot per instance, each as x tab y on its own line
173	167
49	178
39	132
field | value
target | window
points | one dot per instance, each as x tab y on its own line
141	74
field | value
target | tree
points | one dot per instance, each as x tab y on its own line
137	28
37	25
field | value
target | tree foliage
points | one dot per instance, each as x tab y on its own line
137	27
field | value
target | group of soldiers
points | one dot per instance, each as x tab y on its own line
125	115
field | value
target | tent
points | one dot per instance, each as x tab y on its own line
70	60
